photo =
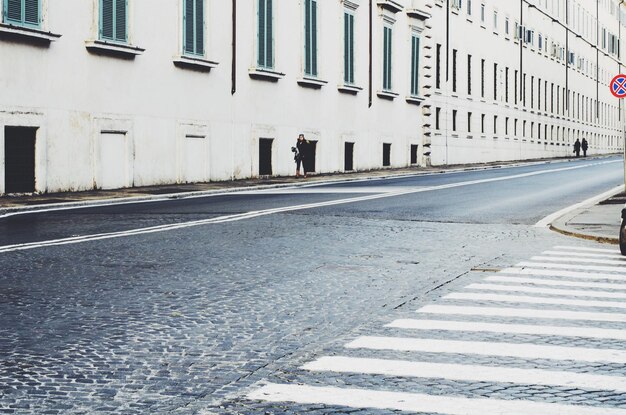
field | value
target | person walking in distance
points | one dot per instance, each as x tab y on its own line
584	146
577	147
300	150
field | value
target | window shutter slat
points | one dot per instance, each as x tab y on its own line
269	35
188	26
31	12
106	19
314	37
120	20
200	27
261	45
14	10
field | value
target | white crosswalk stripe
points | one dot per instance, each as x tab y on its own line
579	278
472	326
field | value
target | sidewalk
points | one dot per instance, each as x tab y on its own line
599	222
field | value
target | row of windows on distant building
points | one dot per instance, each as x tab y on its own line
509	87
113	27
529	130
608	41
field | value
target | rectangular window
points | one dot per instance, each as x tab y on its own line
310	37
265	44
482	13
506	26
495	81
387	36
469	122
454	112
506	85
506	126
515	127
438	68
415	65
454	55
515	82
495	124
495	21
437	118
348	48
482	123
539	94
469	7
482	78
23	12
532	92
114	20
469	74
193	23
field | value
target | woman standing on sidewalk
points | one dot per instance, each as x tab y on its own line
300	153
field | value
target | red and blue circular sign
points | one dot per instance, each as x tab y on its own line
618	86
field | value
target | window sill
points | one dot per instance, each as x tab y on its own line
314	83
115	49
391	5
197	63
416	100
265	74
349	89
27	33
387	95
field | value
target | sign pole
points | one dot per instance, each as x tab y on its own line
618	89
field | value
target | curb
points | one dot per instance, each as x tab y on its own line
600	239
17	210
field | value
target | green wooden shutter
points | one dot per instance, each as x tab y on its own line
121	18
13	11
261	30
31	12
106	19
314	37
346	48
307	36
415	45
387	59
269	36
351	50
199	27
188	26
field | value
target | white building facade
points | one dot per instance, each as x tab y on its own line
120	93
523	79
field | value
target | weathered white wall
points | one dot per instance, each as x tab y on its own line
73	96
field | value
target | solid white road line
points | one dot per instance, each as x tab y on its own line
580	248
500	349
522	313
559	273
523	299
414	402
582	260
547	291
571	266
589	202
473	373
470	326
584	254
254	214
556	283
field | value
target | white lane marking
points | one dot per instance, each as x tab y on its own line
584	254
589	202
571	266
499	349
583	260
470	326
414	402
522	299
254	214
547	291
580	248
333	190
474	373
566	274
522	313
556	283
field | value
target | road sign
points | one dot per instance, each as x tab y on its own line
618	86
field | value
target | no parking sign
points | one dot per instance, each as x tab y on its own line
618	86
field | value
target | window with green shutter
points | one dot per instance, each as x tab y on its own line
415	64
265	41
22	13
114	20
310	37
193	27
387	35
348	48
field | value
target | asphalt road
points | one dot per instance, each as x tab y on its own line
183	305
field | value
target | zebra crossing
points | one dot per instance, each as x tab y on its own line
546	336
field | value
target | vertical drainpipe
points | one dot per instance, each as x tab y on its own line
567	56
233	69
447	98
371	34
597	58
522	34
